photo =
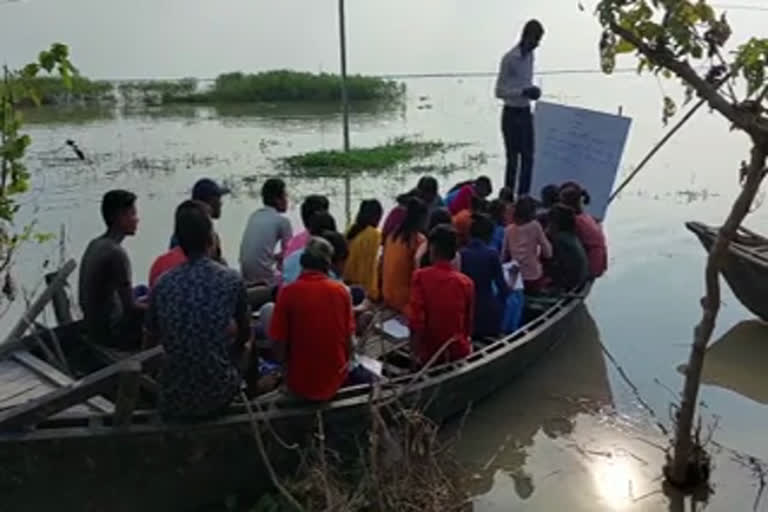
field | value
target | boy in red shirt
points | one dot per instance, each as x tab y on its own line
312	327
442	302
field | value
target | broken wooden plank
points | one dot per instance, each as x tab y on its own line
51	374
62	308
127	392
33	412
11	341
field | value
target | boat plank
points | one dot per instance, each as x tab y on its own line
57	400
58	379
25	392
10	372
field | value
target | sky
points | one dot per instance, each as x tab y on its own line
175	38
202	38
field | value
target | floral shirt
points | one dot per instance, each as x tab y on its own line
189	312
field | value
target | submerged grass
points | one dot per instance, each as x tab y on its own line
291	86
358	160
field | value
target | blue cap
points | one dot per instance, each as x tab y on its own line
206	189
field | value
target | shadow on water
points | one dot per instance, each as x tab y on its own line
738	360
569	381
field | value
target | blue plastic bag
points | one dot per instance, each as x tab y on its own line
513	311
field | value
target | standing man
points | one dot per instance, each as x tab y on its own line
515	87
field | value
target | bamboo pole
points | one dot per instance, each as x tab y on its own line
345	107
655	149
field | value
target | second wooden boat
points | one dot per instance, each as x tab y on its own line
745	267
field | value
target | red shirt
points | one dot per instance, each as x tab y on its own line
313	317
164	263
442	307
592	238
463	200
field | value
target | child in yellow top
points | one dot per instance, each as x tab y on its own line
364	241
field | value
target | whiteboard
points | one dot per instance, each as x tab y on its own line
575	144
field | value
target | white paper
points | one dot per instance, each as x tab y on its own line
372	365
575	144
396	328
512	270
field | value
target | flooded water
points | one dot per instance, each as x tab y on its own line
573	432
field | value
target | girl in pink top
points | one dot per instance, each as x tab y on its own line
525	242
587	229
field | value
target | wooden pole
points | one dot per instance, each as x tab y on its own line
345	106
656	149
127	392
343	55
9	343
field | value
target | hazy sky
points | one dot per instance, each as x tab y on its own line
174	38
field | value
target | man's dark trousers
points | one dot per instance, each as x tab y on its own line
517	128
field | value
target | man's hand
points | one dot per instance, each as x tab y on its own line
532	93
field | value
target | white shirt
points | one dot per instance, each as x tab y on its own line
515	75
266	227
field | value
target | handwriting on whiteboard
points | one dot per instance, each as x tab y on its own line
574	144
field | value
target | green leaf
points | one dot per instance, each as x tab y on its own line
59	51
30	70
66	76
704	12
47	61
624	47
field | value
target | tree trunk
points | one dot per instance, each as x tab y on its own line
710	306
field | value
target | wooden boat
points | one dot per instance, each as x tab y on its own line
84	460
745	268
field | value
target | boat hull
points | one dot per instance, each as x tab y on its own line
745	268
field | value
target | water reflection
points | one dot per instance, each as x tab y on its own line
737	361
569	381
74	115
362	112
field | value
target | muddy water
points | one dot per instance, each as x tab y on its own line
573	432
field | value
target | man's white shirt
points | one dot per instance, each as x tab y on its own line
515	75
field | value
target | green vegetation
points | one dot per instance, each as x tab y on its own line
291	86
50	90
357	160
18	87
157	91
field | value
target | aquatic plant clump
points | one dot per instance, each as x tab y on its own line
157	91
292	86
52	91
371	159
